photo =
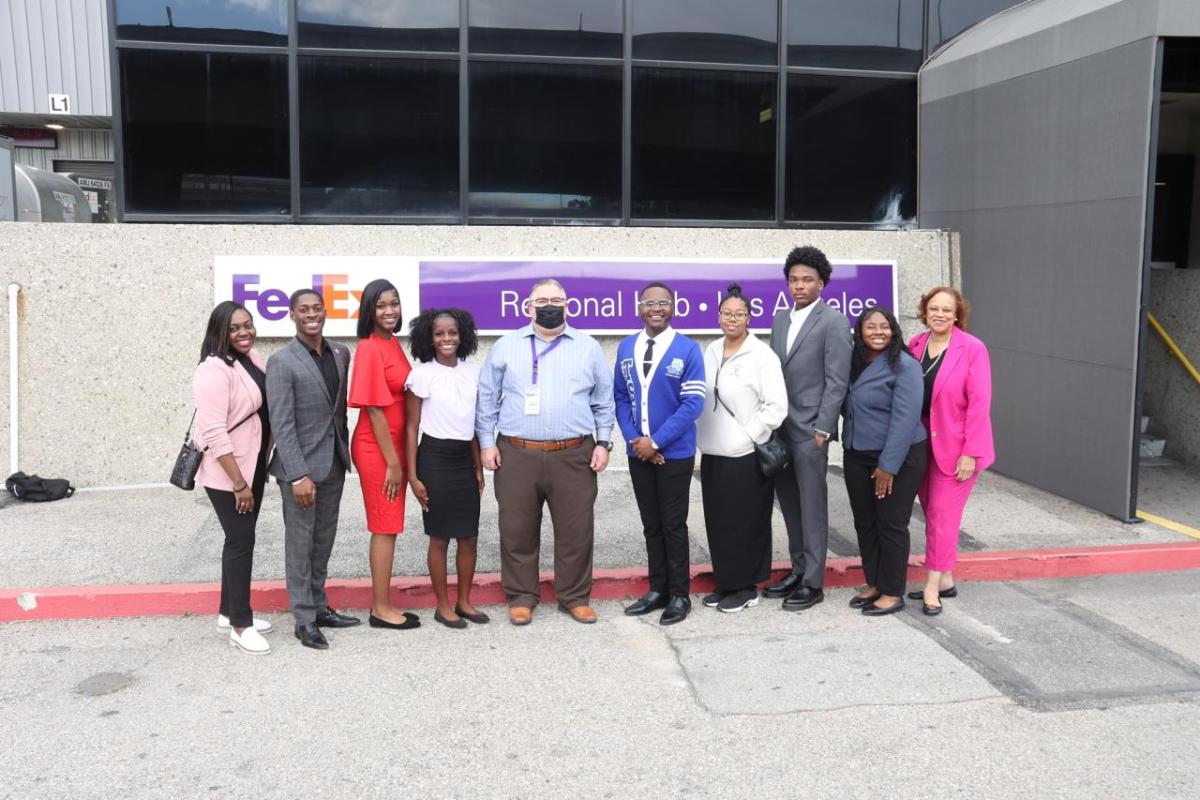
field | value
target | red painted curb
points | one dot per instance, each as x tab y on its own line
100	602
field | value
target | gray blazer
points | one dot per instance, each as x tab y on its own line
816	370
883	410
309	426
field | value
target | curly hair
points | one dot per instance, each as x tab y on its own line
810	257
420	333
962	308
895	349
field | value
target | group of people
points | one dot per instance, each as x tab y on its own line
539	413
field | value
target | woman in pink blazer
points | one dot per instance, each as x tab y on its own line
957	415
232	429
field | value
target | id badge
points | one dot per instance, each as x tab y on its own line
533	402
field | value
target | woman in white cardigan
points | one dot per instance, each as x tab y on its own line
749	401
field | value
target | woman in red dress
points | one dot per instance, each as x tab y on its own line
377	388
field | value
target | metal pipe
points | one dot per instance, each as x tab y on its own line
1171	347
14	289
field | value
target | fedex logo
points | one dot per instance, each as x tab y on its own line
263	284
341	301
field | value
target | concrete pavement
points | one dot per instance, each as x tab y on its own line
1078	688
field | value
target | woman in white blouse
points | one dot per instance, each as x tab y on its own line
749	401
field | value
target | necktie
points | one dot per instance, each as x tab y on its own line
648	359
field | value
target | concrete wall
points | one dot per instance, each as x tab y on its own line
113	315
1171	398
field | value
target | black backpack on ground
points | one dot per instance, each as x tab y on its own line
38	490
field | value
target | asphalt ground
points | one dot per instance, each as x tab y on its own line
1080	688
164	535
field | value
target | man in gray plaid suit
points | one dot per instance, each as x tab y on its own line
306	400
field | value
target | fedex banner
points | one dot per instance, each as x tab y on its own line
602	293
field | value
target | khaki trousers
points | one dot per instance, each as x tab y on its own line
563	479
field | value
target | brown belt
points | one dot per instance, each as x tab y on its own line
530	444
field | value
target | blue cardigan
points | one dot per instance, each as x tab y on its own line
883	410
676	396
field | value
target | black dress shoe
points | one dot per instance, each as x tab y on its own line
410	621
803	598
650	601
310	636
784	588
858	601
875	611
332	619
920	593
676	611
457	624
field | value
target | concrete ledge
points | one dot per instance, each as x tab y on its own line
101	602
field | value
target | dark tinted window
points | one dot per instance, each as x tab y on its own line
547	27
205	132
263	22
370	24
851	149
545	140
949	18
741	32
856	34
378	136
703	144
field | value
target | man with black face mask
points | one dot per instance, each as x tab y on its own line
544	419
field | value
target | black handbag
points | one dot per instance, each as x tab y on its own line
774	455
187	463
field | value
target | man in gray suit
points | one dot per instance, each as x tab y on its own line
306	400
813	343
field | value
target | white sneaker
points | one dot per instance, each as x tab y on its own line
249	642
260	625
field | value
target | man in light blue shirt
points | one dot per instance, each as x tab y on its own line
544	419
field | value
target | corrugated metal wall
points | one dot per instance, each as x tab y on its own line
54	47
74	144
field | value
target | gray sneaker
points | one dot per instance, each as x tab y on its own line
736	601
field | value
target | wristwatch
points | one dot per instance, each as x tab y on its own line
605	443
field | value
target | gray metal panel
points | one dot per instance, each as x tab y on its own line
54	47
1045	178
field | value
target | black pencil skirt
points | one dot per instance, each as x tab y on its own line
737	515
447	469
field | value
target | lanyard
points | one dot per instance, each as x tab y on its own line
536	355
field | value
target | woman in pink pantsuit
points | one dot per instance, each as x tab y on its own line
957	415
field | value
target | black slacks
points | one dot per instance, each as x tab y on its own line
237	556
882	524
662	494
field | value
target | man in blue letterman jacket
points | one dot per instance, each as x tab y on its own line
659	392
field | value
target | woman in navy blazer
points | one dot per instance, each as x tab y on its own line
885	456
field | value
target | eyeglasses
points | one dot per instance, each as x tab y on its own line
542	302
734	315
656	303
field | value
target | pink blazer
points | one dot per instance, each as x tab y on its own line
960	422
225	396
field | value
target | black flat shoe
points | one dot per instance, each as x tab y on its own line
650	601
457	624
782	589
919	593
479	618
876	611
931	611
410	621
859	602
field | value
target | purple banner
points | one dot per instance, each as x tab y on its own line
602	293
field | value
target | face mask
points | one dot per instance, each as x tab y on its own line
549	317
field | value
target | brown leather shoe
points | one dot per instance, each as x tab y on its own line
520	615
584	614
